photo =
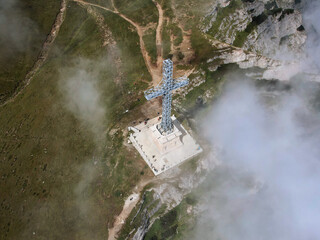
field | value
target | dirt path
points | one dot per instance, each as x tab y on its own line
153	70
129	204
158	35
108	41
43	53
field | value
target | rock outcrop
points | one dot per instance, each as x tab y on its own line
265	27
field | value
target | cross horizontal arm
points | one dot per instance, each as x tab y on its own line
180	82
153	93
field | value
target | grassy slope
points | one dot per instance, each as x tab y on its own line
132	67
175	223
46	152
140	11
14	64
105	3
41	141
149	40
166	42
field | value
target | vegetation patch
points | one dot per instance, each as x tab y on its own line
203	49
212	84
149	39
172	225
166	42
104	3
142	12
222	13
177	33
49	156
166	6
139	215
17	61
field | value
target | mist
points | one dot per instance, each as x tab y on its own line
311	19
15	27
82	95
82	87
267	186
303	60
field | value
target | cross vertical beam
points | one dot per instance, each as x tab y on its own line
165	90
166	123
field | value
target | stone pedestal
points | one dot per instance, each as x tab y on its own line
168	142
162	152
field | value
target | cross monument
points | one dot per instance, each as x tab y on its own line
164	89
164	144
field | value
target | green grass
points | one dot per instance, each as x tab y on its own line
133	67
222	13
202	47
150	42
213	83
166	42
128	41
164	227
15	64
191	7
60	180
173	224
79	29
189	24
48	154
177	32
104	3
166	6
137	215
183	67
140	11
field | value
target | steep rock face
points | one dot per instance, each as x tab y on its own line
267	27
286	3
146	221
226	31
178	183
172	187
282	31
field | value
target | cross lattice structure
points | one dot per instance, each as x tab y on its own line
164	89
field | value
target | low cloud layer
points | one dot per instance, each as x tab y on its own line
307	62
311	18
267	186
15	26
82	94
270	189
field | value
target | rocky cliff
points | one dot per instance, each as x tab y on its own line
266	27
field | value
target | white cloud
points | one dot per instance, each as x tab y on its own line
271	188
82	95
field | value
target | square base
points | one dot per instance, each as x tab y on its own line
167	142
162	152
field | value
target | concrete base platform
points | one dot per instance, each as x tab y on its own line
163	152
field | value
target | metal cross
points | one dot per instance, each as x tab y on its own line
165	89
